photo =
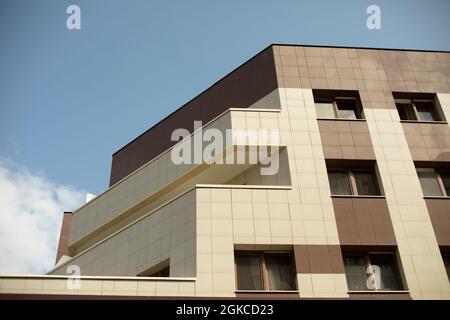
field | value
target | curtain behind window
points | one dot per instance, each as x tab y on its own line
248	272
339	183
365	183
388	271
279	270
356	273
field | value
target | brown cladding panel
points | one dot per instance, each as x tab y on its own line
363	221
346	139
428	141
439	210
63	245
375	73
318	259
241	88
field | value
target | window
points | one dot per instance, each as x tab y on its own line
264	271
372	271
325	110
338	108
365	182
353	181
434	183
339	182
417	110
346	108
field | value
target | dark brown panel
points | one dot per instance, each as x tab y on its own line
346	139
63	245
439	210
428	141
241	88
318	259
363	221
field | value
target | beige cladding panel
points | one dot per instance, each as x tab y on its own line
97	286
418	249
301	215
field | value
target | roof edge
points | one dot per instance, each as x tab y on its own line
198	95
257	54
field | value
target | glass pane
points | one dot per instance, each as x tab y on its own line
346	108
426	110
248	269
280	271
429	183
406	111
446	180
366	183
389	275
339	183
324	110
356	273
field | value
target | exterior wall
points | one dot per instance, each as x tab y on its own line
123	198
363	221
302	215
168	232
47	286
151	215
252	175
346	139
428	141
376	74
439	214
417	246
63	244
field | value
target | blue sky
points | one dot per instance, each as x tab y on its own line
69	99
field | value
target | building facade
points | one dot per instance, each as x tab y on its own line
359	206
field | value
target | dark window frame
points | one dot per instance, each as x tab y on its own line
358	110
366	255
412	103
438	175
265	286
352	180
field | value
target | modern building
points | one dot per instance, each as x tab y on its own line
358	206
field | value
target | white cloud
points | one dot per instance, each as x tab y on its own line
31	210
